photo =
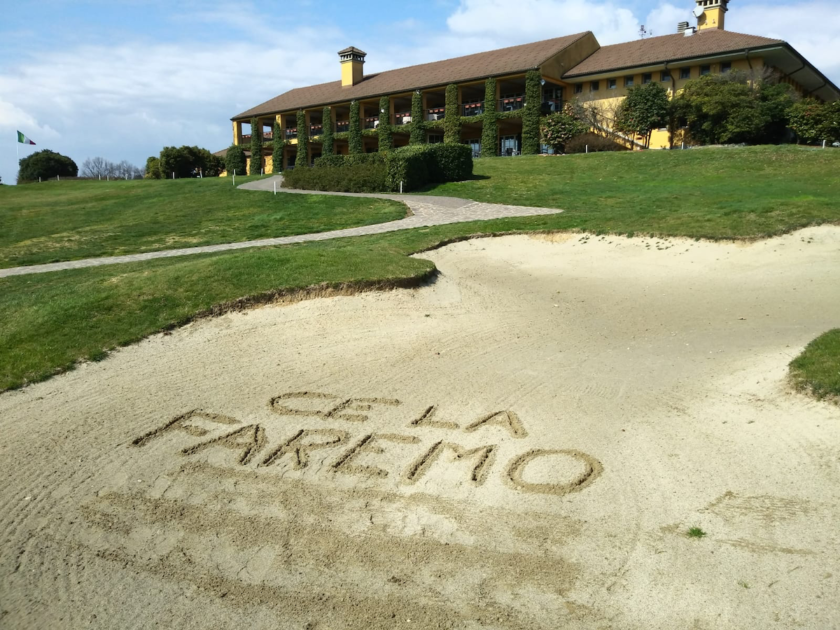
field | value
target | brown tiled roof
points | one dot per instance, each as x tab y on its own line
656	50
477	66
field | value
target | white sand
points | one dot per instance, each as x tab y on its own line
657	368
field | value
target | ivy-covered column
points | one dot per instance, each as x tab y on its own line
386	135
302	159
531	115
451	116
418	129
489	132
328	142
256	147
278	143
355	140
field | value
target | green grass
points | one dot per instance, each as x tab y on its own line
696	532
817	370
49	321
55	221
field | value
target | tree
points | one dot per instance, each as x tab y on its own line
153	168
189	162
234	160
302	159
386	134
418	129
489	134
531	115
644	109
278	143
815	121
327	139
256	147
451	117
355	140
46	164
558	128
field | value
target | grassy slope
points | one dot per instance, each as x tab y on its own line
817	369
55	221
49	321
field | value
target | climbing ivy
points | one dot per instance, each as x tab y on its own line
451	117
327	138
386	135
355	129
278	143
302	159
256	147
418	130
531	115
488	126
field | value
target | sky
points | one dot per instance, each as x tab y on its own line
121	79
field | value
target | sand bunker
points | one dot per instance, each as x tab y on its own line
522	444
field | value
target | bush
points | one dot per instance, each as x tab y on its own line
815	121
386	134
595	143
646	108
531	113
46	164
256	148
189	162
234	160
451	116
152	168
335	161
355	140
359	177
558	128
418	165
489	135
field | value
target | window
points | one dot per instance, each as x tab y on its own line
435	139
726	67
664	76
611	84
704	70
579	88
628	81
595	86
685	73
647	77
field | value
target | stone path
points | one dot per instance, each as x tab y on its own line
427	211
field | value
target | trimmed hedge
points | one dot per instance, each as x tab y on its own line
338	161
234	160
360	177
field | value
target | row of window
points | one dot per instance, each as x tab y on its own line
685	73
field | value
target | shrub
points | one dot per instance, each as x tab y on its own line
489	135
359	177
451	117
418	130
558	128
234	160
330	161
815	121
355	140
46	164
645	108
302	158
531	113
386	134
152	168
595	143
188	162
256	147
418	165
278	143
327	139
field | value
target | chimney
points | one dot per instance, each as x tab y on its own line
682	27
710	13
352	66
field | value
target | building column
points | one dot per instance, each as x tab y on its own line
237	132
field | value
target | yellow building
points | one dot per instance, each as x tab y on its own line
570	67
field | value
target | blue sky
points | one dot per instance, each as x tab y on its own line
121	79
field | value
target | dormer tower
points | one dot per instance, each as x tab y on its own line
711	13
352	66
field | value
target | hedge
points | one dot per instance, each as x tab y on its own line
359	177
234	160
386	135
418	129
336	161
327	140
355	140
278	143
303	141
451	116
489	135
256	147
531	115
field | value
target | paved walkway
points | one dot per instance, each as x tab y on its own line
427	211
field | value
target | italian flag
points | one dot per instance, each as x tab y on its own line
23	139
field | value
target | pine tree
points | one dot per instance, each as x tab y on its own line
302	160
278	143
452	117
355	140
531	115
489	127
386	135
328	144
256	147
418	129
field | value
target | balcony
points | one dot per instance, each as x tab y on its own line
402	118
291	133
552	105
268	135
246	138
342	125
372	122
472	109
435	113
315	130
511	103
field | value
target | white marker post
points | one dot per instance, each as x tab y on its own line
275	187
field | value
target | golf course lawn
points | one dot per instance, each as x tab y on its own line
50	321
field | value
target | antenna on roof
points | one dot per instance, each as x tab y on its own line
644	33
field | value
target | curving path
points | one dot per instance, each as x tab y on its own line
426	211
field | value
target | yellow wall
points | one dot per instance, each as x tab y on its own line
713	17
351	73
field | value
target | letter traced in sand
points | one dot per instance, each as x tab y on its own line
484	461
506	419
358	404
179	423
592	469
278	406
368	445
426	420
300	445
338	411
249	440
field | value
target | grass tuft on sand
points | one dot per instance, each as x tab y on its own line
817	370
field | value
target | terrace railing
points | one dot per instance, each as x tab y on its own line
291	133
472	109
402	118
315	130
511	103
372	122
342	125
435	113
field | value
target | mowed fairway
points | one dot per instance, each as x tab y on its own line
523	444
57	221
